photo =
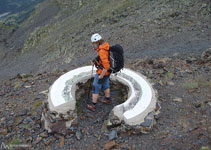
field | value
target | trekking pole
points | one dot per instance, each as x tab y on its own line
90	83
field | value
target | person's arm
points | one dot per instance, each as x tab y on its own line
103	73
96	61
105	63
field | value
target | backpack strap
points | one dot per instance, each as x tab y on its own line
96	62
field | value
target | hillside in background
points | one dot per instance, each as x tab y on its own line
57	34
16	5
16	11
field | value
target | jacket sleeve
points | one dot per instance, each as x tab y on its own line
104	58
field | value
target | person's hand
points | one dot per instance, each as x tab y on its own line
100	76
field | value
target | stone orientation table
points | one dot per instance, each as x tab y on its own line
137	112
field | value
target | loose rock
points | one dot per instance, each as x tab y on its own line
177	99
113	135
110	145
3	131
44	134
78	135
48	142
61	141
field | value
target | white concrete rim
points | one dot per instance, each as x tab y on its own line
141	94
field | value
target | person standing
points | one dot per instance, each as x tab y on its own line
101	79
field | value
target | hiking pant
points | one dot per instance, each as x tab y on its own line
100	83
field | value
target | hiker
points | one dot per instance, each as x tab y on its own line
101	79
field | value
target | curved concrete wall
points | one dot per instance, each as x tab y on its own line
61	97
141	96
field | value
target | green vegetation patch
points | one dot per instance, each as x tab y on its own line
38	35
199	82
205	148
25	126
204	83
37	104
15	141
170	75
17	84
191	85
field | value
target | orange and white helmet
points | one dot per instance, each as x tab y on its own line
96	37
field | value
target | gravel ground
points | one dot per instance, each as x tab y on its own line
183	87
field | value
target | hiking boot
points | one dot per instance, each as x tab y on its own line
102	100
91	107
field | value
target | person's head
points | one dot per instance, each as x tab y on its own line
97	40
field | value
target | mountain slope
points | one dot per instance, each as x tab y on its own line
144	28
16	11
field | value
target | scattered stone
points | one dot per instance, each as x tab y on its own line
48	142
69	136
177	100
29	139
59	127
44	135
170	83
150	61
78	135
44	92
197	104
27	86
3	119
56	136
104	126
97	120
3	131
82	117
150	115
113	135
110	145
25	112
191	90
167	139
206	55
198	143
38	140
160	65
28	120
89	115
188	61
61	141
147	123
18	120
161	83
36	117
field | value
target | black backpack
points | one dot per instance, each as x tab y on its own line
116	58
